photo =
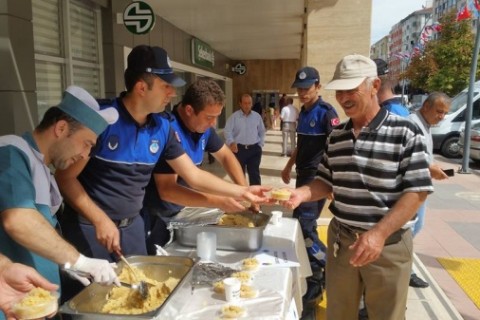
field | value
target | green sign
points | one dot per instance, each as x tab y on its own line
202	54
138	17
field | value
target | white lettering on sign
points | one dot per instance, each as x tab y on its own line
205	54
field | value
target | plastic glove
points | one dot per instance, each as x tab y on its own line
161	251
98	270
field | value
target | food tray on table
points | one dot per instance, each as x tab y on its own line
88	304
229	237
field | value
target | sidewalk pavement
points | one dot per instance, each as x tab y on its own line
452	229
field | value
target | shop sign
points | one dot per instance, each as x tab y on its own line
239	68
202	54
138	17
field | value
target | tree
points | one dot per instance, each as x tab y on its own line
445	63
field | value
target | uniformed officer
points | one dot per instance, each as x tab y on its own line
193	121
104	194
316	120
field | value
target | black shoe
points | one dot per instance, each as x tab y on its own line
363	314
417	282
315	288
308	313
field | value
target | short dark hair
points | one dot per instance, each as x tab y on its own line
202	93
53	115
131	77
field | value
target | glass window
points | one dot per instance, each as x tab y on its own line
66	42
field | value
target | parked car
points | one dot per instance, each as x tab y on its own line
446	133
474	142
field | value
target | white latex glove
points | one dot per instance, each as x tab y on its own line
86	269
161	251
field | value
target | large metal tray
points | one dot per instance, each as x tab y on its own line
89	302
228	237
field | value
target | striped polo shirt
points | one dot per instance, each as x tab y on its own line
368	174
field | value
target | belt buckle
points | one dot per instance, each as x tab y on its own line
123	223
246	146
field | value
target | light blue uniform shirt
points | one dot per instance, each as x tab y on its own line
245	129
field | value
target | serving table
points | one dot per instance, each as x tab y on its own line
280	279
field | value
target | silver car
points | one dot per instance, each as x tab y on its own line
474	142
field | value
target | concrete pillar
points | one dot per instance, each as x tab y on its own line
333	29
18	106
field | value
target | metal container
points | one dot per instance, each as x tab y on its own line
228	237
89	302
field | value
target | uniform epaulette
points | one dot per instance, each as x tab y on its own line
167	115
326	105
105	101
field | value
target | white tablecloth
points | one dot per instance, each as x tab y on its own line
280	279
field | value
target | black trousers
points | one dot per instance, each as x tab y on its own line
249	158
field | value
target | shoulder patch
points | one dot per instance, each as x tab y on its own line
334	122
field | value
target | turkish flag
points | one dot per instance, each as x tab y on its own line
464	14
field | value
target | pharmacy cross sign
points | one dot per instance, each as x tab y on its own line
138	17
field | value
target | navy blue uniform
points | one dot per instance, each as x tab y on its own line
155	209
314	126
115	178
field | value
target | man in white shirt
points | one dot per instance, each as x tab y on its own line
289	118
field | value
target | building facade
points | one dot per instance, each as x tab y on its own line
51	44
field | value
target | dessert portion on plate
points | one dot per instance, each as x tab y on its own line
250	264
38	303
281	194
232	311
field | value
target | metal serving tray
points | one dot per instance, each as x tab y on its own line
89	302
228	237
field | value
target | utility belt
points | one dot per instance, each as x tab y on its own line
355	231
246	146
120	223
306	172
69	214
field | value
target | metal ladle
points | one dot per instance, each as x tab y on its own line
140	285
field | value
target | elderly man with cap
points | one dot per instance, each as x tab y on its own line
376	165
30	197
316	120
104	194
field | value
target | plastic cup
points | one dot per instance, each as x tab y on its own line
276	217
206	246
232	289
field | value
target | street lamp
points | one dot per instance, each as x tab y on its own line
468	113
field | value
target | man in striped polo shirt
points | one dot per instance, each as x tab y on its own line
376	165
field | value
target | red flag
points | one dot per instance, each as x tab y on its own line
477	4
463	14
